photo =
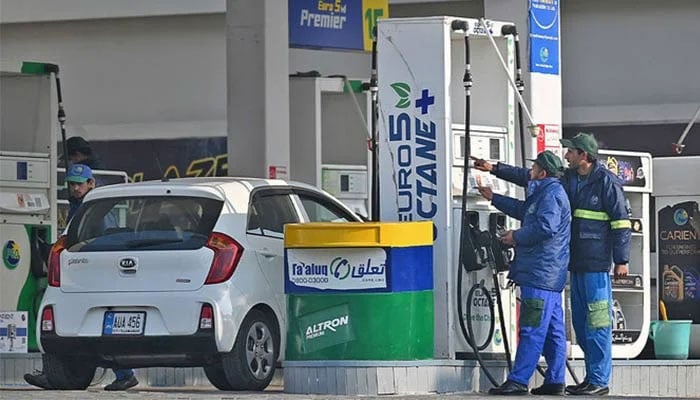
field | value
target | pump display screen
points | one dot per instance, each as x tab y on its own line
481	147
21	171
494	149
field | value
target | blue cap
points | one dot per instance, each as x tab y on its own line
78	173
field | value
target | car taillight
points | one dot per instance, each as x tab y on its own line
47	319
206	317
227	254
54	277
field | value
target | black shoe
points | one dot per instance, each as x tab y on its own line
123	384
553	389
572	388
591	390
509	388
38	379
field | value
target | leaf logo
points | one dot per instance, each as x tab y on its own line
403	91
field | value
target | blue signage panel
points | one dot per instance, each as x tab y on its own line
326	24
544	36
353	270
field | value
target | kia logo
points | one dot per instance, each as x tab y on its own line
127	263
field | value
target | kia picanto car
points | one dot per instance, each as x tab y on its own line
187	272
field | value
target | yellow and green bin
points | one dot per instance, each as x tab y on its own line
359	291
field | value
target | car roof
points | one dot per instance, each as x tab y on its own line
235	190
210	182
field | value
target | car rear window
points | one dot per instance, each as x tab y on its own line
143	223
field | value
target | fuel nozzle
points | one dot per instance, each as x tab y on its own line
503	253
472	254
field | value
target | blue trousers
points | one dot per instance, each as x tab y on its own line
591	314
542	332
122	374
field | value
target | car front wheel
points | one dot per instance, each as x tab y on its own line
251	363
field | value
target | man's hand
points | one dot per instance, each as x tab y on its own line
485	192
507	238
621	270
481	164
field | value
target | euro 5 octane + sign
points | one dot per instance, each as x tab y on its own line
334	24
412	138
310	270
544	36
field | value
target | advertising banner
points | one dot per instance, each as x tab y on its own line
548	138
414	139
629	169
165	158
544	36
679	260
325	328
334	24
339	269
352	326
13	332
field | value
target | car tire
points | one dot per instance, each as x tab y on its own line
250	365
68	373
217	377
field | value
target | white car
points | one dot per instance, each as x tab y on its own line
187	272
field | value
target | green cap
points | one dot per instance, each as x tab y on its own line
582	141
550	162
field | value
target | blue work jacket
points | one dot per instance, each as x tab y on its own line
600	229
542	242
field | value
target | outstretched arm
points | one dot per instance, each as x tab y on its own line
510	206
519	176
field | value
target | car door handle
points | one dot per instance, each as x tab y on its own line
265	252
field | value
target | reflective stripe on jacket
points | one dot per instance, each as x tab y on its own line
600	229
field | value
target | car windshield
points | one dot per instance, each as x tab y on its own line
144	223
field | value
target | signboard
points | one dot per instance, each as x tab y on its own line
13	331
628	168
325	328
414	135
544	36
346	269
164	158
548	138
679	254
334	24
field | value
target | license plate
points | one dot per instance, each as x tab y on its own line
123	323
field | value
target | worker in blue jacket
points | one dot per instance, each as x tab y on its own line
539	268
600	238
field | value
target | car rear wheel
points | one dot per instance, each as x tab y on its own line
217	377
251	363
68	373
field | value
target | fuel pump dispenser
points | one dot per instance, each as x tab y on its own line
28	141
329	133
437	76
